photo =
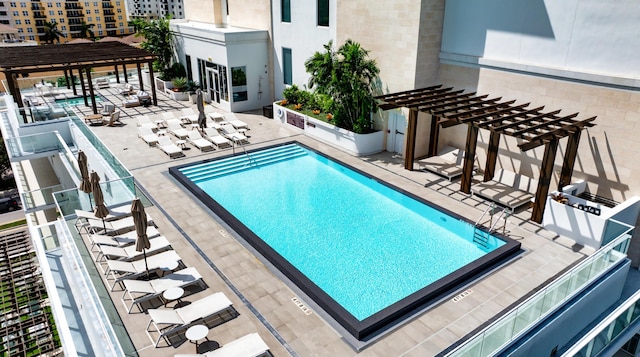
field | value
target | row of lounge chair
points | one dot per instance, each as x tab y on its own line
507	188
114	252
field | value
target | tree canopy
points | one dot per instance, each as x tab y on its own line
51	32
157	40
348	76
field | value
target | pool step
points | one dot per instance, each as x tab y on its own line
480	237
209	170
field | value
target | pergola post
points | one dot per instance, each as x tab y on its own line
13	89
433	136
410	141
470	155
84	90
153	84
117	74
73	82
140	81
569	159
66	78
124	69
93	97
546	171
492	155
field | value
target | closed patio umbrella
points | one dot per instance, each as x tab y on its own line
202	118
140	222
101	210
85	183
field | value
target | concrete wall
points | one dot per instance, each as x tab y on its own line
583	39
302	36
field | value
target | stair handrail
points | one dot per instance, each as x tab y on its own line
504	213
490	207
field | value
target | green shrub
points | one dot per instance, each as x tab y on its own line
180	83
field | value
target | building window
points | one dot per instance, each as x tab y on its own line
23	4
12	4
97	18
63	28
49	4
61	20
88	12
58	4
29	29
50	13
27	22
120	18
18	22
287	69
100	33
323	12
20	30
86	4
99	26
89	18
95	4
60	12
32	37
285	6
96	11
16	13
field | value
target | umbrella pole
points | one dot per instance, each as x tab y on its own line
104	226
146	266
90	204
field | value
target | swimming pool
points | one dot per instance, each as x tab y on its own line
76	101
365	252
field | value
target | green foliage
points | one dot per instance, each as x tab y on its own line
176	70
51	32
86	30
5	163
180	83
157	40
348	76
191	86
238	76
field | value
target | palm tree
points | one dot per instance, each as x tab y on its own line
86	30
51	32
348	76
157	40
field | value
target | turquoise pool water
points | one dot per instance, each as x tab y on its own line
364	244
76	101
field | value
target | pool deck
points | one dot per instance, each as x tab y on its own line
260	295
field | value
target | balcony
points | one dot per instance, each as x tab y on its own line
110	19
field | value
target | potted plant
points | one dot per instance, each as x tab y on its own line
191	87
178	91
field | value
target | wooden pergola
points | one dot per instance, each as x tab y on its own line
67	58
449	107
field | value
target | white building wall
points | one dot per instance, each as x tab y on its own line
592	40
302	36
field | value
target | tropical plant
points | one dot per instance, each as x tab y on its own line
176	70
180	83
157	40
86	30
348	76
51	32
191	86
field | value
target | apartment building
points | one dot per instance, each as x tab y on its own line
29	17
154	9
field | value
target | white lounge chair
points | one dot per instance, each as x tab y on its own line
115	226
126	89
198	141
232	134
211	310
217	117
238	124
129	253
447	163
175	128
218	140
189	116
147	135
250	345
168	147
118	270
102	83
138	291
121	240
107	109
145	122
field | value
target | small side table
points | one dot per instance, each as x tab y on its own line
172	294
196	333
182	144
162	132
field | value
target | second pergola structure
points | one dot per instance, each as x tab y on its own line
449	107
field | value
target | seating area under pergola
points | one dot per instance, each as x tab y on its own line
67	58
449	107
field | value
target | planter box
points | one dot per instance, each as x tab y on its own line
182	96
354	144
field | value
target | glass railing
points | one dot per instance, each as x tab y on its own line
33	144
40	197
98	329
608	330
509	327
115	192
118	168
